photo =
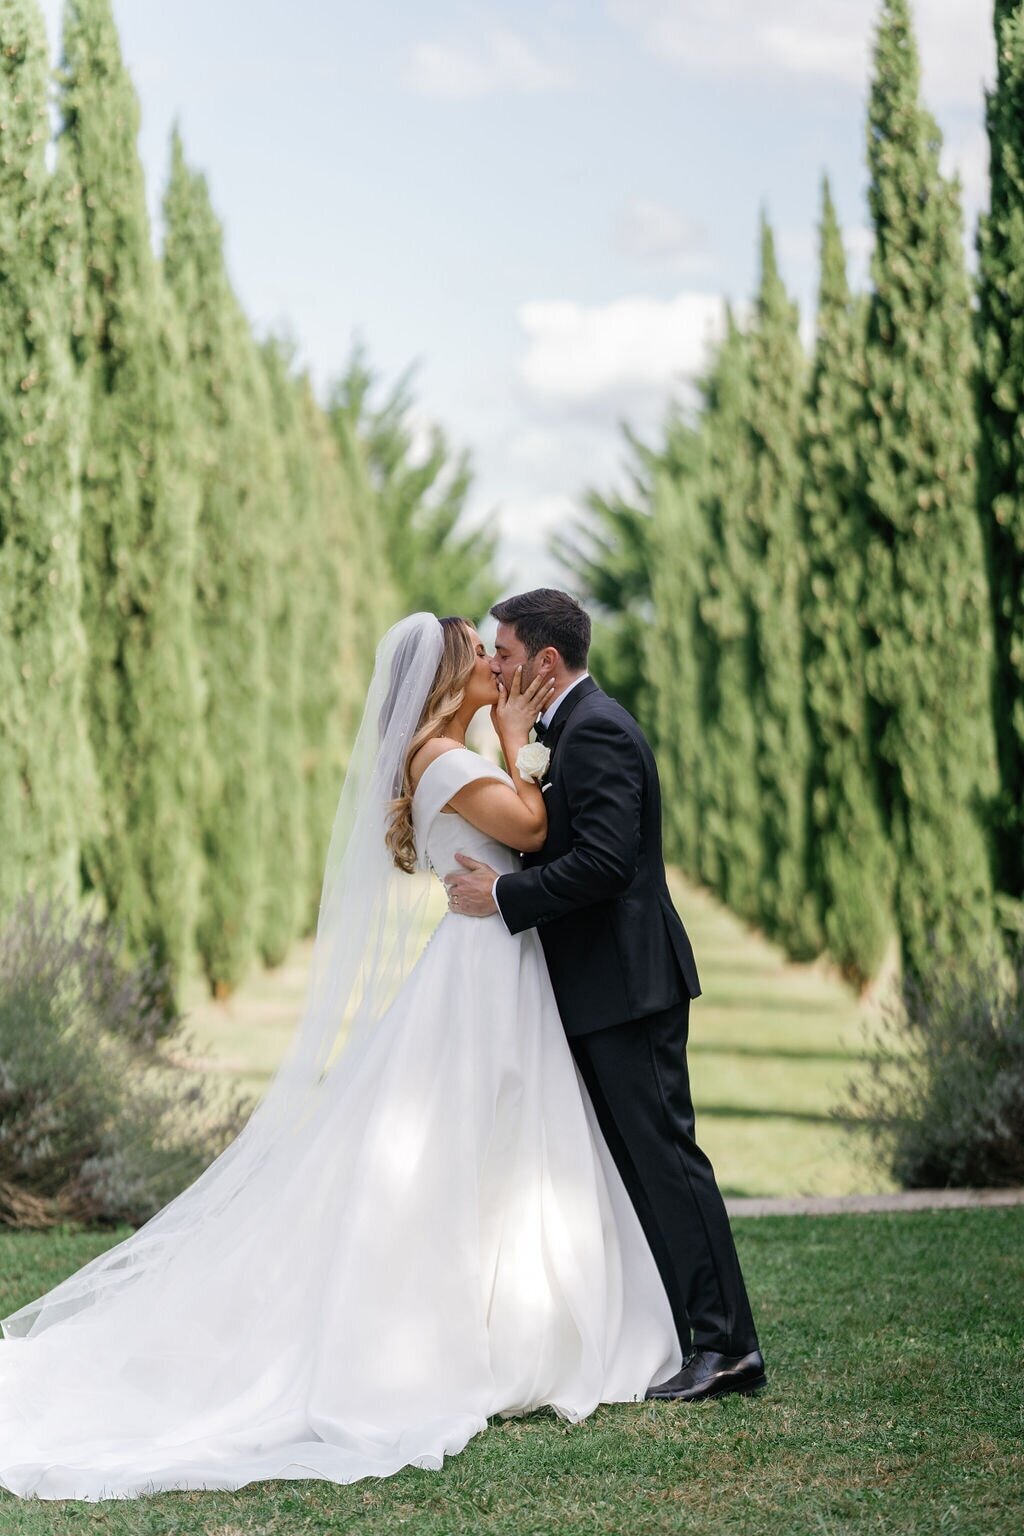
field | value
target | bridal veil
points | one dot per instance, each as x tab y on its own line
368	932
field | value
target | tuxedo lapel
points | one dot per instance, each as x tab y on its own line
565	709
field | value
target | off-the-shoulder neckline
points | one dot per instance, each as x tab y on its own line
448	753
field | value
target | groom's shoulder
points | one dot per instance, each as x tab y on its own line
598	709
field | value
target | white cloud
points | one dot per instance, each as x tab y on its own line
583	370
657	235
797	251
812	40
537	516
859	242
421	427
527	523
52	12
501	61
968	154
534	450
742	36
614	353
838	51
958	50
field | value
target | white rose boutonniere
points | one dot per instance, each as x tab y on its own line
532	761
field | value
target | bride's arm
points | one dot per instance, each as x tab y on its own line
516	817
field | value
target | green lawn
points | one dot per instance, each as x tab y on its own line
771	1047
895	1347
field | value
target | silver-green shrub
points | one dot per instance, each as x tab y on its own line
99	1119
943	1097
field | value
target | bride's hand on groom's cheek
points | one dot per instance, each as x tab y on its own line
469	889
517	710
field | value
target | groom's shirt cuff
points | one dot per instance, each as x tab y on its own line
494	898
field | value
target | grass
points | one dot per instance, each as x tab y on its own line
895	1344
895	1347
772	1045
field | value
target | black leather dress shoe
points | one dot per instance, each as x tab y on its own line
706	1373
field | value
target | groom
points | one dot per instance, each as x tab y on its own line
623	974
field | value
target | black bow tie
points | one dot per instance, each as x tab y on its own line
541	730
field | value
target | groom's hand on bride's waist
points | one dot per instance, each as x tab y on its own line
470	889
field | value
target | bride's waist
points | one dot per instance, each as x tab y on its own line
499	858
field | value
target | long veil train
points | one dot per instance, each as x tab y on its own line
369	919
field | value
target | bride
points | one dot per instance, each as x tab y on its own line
419	1227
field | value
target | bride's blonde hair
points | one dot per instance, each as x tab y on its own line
443	701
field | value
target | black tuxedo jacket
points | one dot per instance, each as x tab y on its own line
615	946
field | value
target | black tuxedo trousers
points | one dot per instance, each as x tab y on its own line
637	1078
623	974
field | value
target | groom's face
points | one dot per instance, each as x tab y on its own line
509	653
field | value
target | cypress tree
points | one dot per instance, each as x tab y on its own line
730	841
232	598
677	660
379	596
139	508
335	655
293	606
276	532
45	765
607	557
926	595
1001	455
776	552
851	866
438	563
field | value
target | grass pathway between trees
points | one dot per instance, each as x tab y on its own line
895	1347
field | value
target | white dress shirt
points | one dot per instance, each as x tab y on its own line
549	714
545	719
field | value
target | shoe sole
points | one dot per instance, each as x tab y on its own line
757	1385
746	1388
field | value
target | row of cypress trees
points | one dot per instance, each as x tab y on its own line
1001	413
193	566
835	608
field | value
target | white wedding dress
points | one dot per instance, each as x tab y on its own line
458	1244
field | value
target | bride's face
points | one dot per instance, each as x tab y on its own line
482	686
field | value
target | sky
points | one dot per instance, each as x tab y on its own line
543	206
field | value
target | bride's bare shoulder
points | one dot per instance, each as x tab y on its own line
434	748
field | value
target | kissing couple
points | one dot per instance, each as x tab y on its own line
472	1187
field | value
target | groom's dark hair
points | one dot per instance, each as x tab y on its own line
548	617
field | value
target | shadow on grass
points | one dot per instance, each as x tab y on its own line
715	957
752	1112
765	1003
766	1052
